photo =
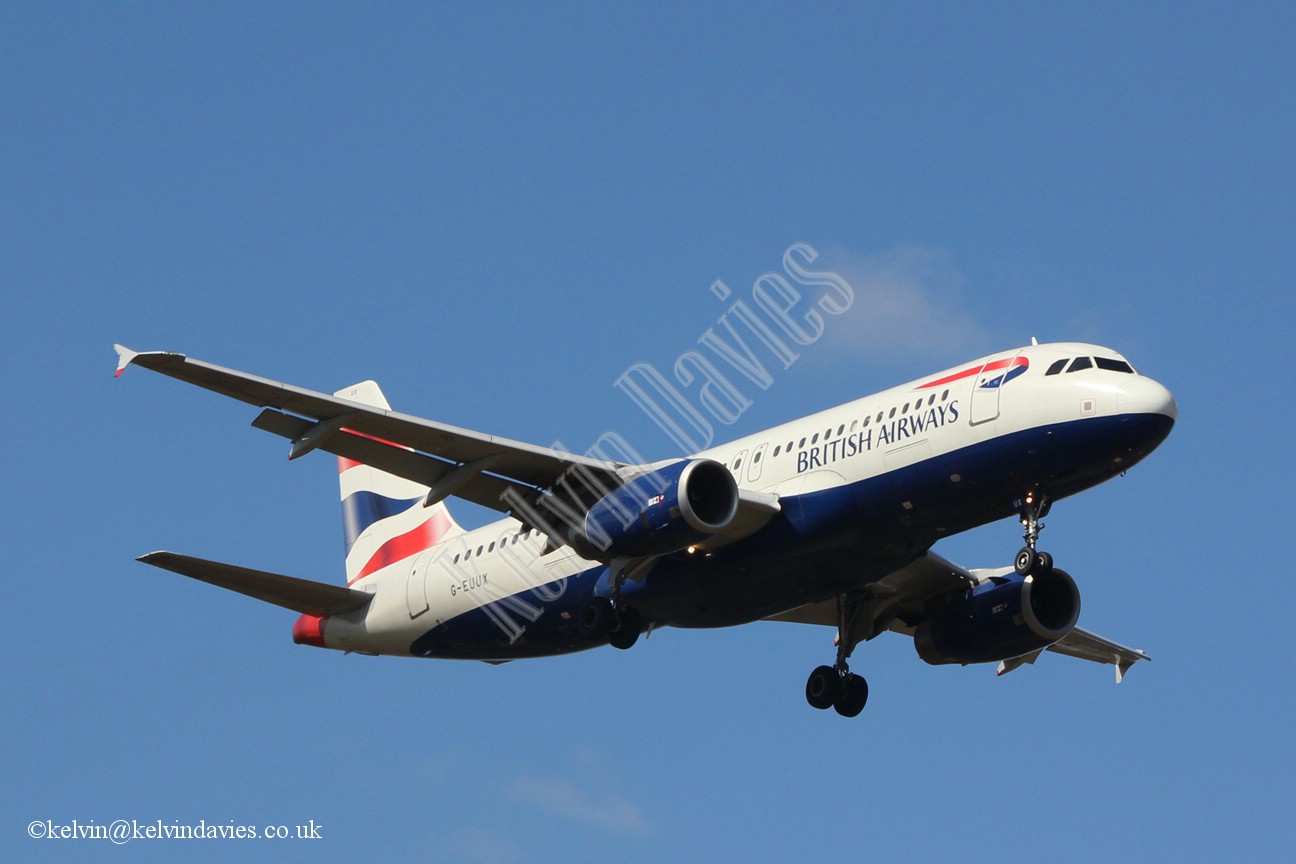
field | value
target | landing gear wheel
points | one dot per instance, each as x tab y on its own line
626	632
824	687
595	619
1032	508
853	697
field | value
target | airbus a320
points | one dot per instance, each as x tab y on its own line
828	519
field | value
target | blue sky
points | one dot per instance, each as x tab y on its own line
495	211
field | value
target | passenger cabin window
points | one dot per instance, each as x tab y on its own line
1057	367
1113	365
1080	363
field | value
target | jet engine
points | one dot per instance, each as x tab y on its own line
665	510
1006	616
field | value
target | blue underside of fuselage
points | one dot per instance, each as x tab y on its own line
821	543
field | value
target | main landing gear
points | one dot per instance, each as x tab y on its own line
1033	508
599	619
836	686
603	618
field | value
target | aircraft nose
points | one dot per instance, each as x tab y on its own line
1144	396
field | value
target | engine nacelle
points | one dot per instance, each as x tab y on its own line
664	511
1005	617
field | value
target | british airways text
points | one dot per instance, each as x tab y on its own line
882	435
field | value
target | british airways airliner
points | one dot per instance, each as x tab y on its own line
829	519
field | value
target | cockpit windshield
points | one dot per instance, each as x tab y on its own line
1107	364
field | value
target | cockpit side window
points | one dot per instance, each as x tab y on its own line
1080	363
1057	367
1113	365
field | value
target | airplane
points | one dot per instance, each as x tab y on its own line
828	519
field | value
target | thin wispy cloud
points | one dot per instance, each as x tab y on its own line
560	797
485	847
908	301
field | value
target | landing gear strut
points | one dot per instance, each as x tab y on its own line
836	686
1033	508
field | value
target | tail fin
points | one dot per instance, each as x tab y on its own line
383	516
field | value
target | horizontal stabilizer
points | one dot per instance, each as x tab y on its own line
299	595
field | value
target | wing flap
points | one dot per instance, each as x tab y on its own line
481	488
299	595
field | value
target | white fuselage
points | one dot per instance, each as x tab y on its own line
969	415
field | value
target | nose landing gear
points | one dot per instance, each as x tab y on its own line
1033	508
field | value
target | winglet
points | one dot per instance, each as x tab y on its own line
124	358
1124	662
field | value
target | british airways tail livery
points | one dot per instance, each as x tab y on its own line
829	519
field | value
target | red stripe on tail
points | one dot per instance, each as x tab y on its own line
425	536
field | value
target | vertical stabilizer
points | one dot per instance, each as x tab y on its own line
383	517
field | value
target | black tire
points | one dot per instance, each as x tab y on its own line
626	632
1025	561
1043	563
823	688
853	697
595	619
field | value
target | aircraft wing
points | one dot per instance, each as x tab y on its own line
898	601
1089	646
447	459
450	460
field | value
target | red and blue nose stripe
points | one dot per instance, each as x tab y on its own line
1012	366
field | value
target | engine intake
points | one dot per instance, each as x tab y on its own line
1006	617
665	510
